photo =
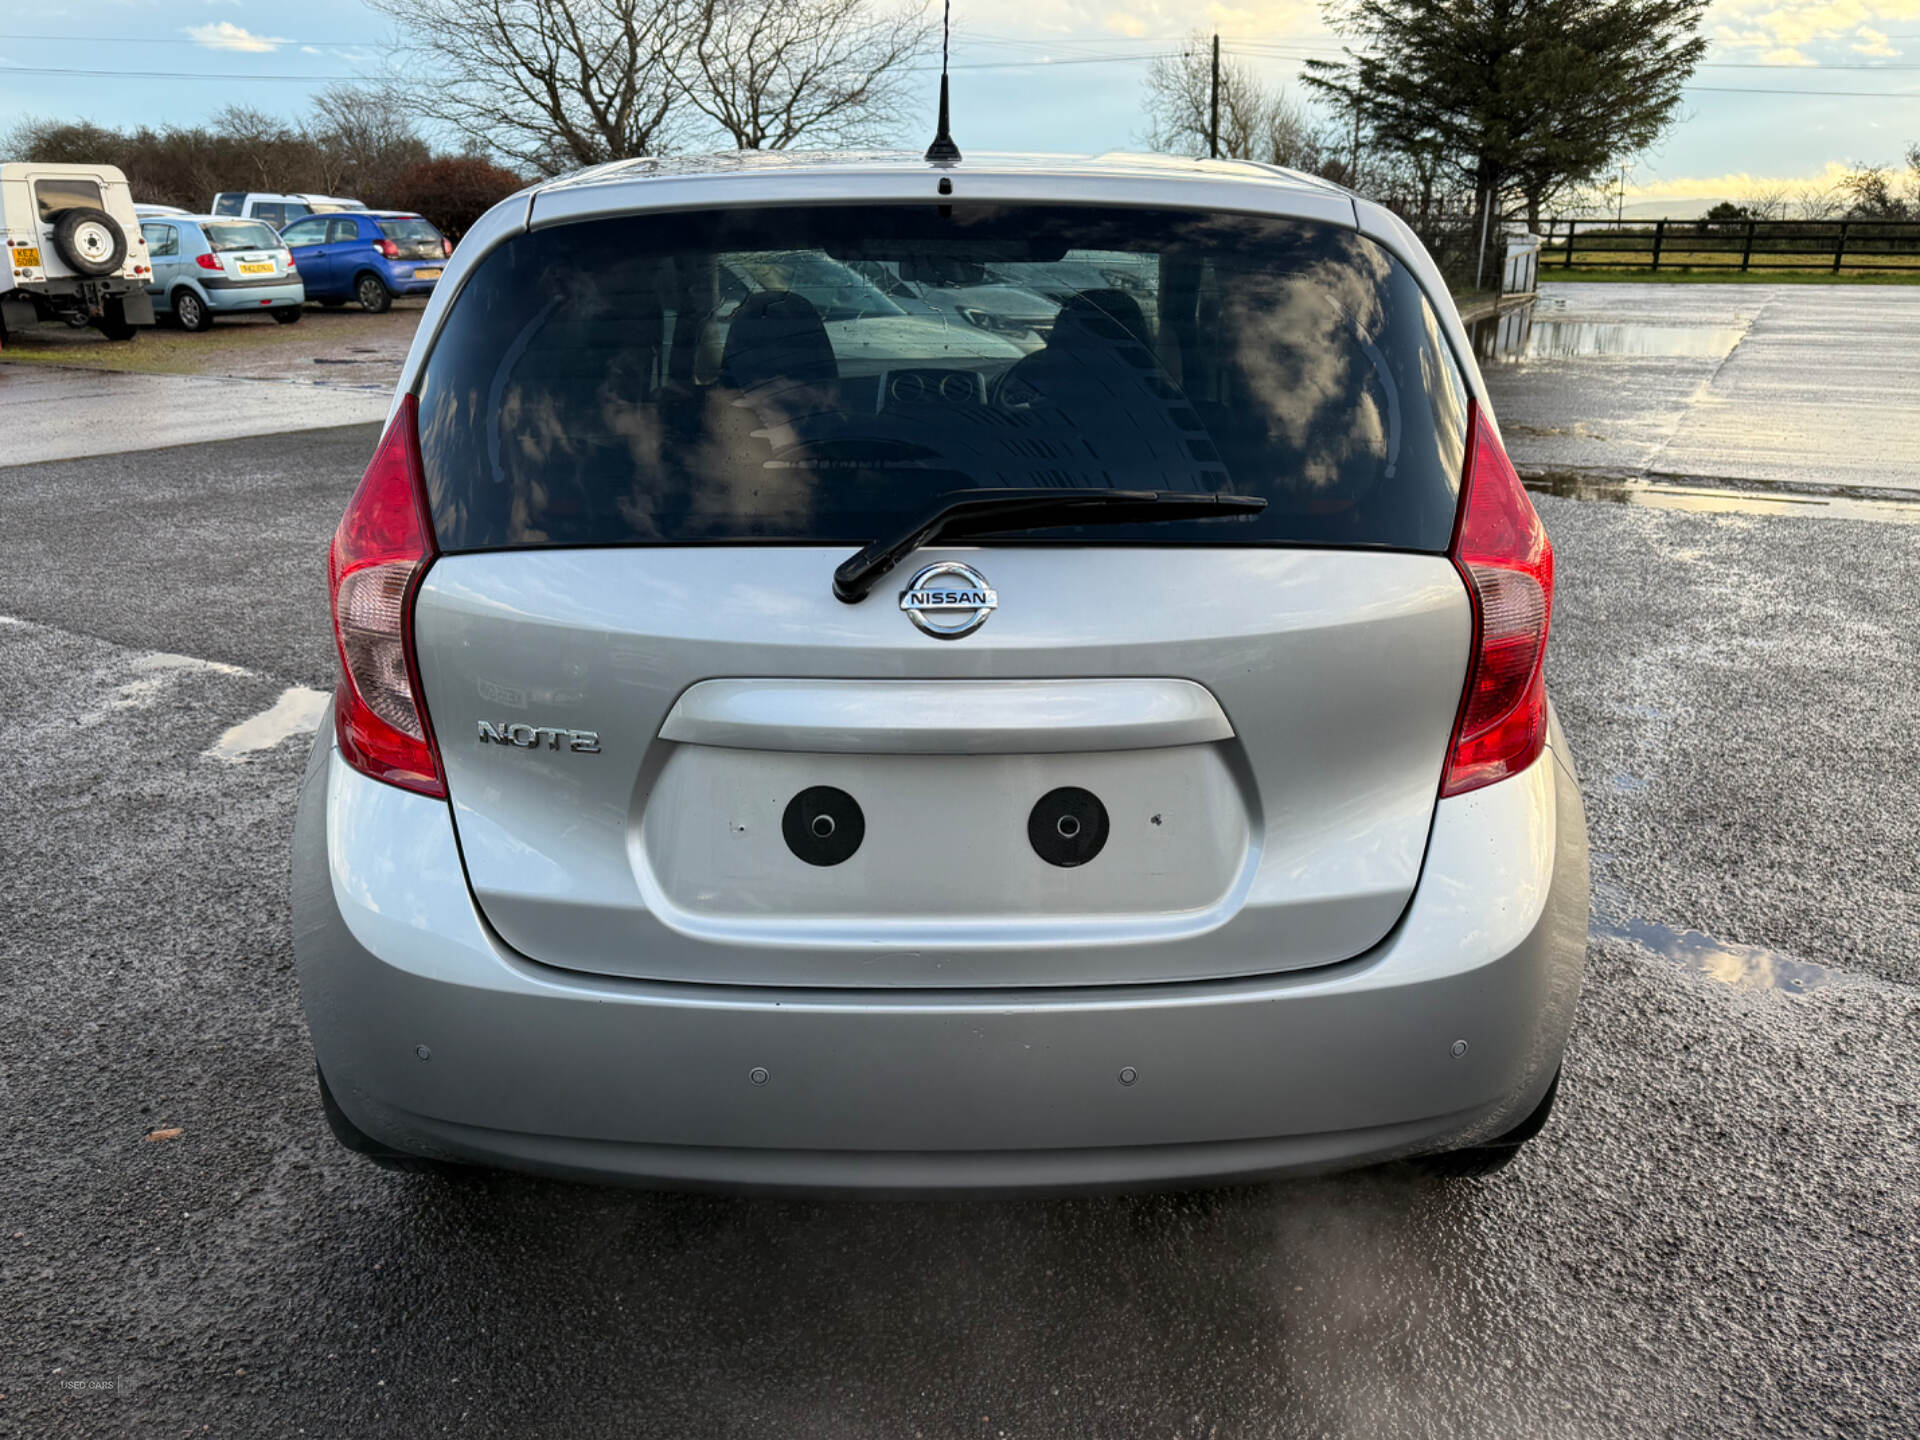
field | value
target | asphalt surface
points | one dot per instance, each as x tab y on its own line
1788	384
1717	1233
51	412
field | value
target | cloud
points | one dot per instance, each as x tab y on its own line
1736	185
1871	42
1789	24
1787	55
225	35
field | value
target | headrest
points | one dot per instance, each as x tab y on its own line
777	335
1111	317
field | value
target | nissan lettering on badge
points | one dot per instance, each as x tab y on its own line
949	600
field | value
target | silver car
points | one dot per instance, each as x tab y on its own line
940	767
204	266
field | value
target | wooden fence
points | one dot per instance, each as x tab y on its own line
1833	246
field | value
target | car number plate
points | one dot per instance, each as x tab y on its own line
265	269
433	274
26	257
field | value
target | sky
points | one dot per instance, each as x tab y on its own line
1832	83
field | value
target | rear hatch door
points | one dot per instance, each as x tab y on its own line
637	671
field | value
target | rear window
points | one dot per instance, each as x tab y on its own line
240	235
55	196
227	203
409	230
824	374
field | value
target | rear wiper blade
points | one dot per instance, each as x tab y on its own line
988	512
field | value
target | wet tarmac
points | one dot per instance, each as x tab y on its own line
50	412
1799	384
1728	497
1747	967
1713	1236
1555	339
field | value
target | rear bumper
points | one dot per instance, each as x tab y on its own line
254	296
439	1040
406	285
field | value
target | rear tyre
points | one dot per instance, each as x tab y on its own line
113	323
372	293
353	1138
191	311
289	314
1477	1160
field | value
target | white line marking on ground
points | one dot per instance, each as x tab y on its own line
296	712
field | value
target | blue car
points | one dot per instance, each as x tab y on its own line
366	255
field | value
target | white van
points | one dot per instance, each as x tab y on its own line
279	210
74	252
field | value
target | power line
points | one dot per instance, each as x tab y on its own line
165	74
180	40
1232	48
308	79
1840	94
1080	42
1757	65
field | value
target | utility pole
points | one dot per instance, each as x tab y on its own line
1213	125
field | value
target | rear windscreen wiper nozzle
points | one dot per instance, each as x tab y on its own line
990	512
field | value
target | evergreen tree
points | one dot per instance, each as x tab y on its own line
1523	100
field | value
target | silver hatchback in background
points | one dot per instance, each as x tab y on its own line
204	266
877	760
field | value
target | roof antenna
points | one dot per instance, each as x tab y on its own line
943	150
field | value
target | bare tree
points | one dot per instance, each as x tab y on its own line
363	137
272	153
1179	105
1815	202
1872	194
1289	138
1767	204
553	84
772	75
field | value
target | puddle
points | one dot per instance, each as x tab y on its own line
296	712
153	674
1722	499
1745	967
1503	336
1580	339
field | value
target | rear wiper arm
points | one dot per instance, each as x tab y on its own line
988	512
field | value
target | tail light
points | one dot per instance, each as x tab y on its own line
208	262
1501	550
390	250
380	553
446	246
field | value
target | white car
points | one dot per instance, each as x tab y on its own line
279	210
73	250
